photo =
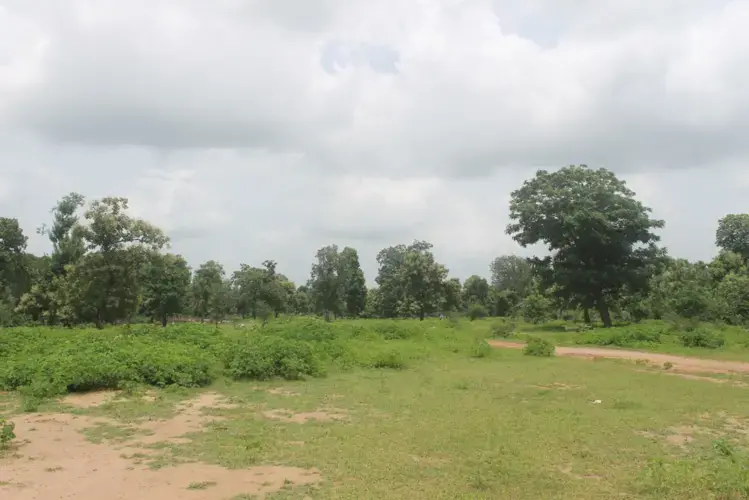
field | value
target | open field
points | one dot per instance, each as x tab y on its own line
427	413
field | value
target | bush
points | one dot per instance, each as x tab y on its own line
481	349
702	337
503	330
265	357
6	433
537	346
477	311
91	362
389	359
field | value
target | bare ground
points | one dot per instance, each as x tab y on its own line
53	459
680	363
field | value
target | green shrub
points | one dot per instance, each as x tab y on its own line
6	433
266	357
481	349
477	311
702	337
389	359
537	346
503	329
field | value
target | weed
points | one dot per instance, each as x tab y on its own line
503	329
202	485
481	349
537	346
6	433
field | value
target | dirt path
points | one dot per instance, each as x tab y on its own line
680	363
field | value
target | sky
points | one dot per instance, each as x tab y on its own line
265	129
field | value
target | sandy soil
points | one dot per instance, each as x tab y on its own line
54	460
680	363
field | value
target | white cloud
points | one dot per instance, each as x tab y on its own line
254	129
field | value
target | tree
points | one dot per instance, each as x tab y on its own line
103	285
12	252
452	299
325	282
165	282
512	273
732	234
423	279
389	279
600	237
354	293
207	283
476	291
67	240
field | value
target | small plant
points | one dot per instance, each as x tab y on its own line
503	330
702	337
202	485
389	359
537	346
477	311
668	365
481	349
6	433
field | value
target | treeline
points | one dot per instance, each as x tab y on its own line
604	264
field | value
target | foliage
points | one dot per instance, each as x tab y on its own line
166	282
265	357
481	349
702	337
510	273
732	234
537	346
7	433
535	308
503	329
477	311
600	236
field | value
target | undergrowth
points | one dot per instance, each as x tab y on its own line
45	362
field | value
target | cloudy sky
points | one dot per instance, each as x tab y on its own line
256	129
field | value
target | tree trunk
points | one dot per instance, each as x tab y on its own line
603	309
421	314
586	315
163	320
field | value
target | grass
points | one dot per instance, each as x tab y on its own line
440	419
736	346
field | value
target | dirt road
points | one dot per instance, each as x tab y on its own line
680	363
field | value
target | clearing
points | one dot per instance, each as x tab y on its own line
678	363
448	427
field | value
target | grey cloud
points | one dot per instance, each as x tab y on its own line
237	125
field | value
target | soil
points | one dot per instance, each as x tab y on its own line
327	415
53	459
680	363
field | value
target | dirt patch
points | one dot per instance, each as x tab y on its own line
558	387
89	399
702	378
189	418
282	392
84	470
323	415
679	436
567	471
679	363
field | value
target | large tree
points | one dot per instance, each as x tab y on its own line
354	293
207	289
511	273
165	285
732	234
600	237
476	291
423	280
103	285
325	282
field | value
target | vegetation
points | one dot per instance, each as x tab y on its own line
604	265
110	308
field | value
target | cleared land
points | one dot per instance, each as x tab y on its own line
455	422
